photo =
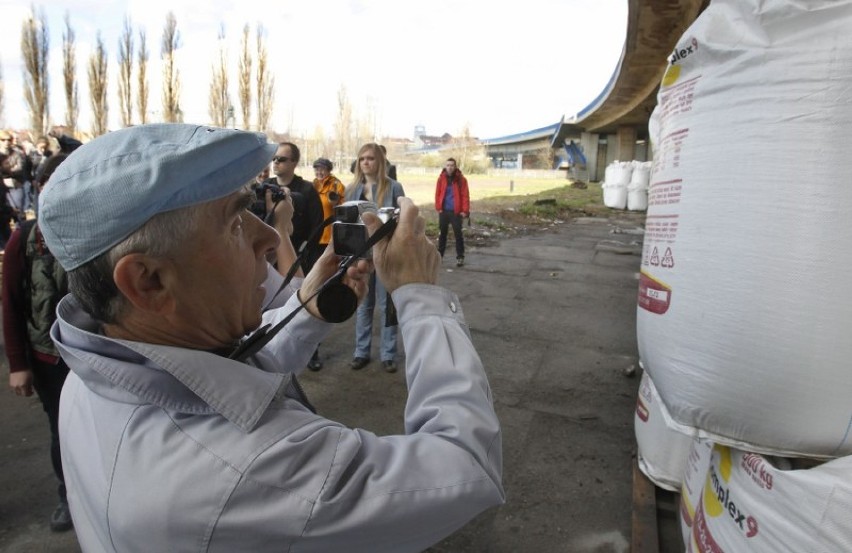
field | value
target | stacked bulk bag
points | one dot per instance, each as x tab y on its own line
616	179
637	190
662	450
735	501
744	306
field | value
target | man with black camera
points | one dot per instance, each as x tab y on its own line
307	208
171	441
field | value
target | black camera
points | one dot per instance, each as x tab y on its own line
278	194
348	231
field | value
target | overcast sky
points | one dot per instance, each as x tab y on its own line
499	66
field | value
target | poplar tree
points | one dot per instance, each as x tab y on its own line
125	74
171	78
98	88
69	76
219	103
35	45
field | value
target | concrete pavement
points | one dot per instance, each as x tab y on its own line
553	317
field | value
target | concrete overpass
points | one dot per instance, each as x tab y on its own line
615	124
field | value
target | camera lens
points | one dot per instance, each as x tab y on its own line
333	196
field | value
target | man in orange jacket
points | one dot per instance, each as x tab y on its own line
452	201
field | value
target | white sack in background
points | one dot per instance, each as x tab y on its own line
637	190
616	178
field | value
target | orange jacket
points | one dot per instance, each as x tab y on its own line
328	186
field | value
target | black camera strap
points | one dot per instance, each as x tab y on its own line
264	334
300	257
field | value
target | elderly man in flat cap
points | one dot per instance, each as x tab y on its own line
170	440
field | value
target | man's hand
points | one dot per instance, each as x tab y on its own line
326	266
21	382
408	257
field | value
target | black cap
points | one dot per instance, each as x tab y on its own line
323	162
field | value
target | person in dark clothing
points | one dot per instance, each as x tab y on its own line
36	159
14	172
67	143
452	200
307	207
390	167
33	284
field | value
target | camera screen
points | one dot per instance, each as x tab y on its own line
349	238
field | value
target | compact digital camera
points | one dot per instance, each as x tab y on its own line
348	231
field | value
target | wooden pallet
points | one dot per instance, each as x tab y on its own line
656	528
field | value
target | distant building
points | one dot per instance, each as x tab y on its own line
423	141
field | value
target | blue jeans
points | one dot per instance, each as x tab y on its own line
364	323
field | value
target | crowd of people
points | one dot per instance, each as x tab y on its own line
21	162
151	314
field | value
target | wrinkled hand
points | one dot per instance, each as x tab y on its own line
21	382
408	257
356	277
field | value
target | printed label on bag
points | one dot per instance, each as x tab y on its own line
654	296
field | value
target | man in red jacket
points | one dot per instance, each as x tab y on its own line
452	201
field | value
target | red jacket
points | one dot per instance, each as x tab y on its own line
461	199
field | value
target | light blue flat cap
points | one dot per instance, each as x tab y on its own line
111	186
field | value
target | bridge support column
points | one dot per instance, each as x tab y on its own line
589	142
626	144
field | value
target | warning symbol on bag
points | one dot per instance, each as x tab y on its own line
668	259
655	257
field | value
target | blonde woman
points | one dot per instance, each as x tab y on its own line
372	184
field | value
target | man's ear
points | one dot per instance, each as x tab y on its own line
144	281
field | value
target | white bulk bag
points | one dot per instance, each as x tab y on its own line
637	190
616	178
745	307
662	451
745	502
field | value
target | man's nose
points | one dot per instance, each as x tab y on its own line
265	238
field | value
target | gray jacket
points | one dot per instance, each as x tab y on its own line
170	449
391	199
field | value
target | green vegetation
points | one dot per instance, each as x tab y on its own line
499	211
421	188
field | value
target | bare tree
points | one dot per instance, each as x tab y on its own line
171	78
468	153
98	87
142	79
265	83
125	73
219	103
35	43
343	128
245	79
69	76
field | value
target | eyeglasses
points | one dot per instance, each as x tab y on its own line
281	159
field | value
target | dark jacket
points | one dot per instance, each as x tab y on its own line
307	216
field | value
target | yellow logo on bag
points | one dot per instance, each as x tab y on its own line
717	497
672	75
